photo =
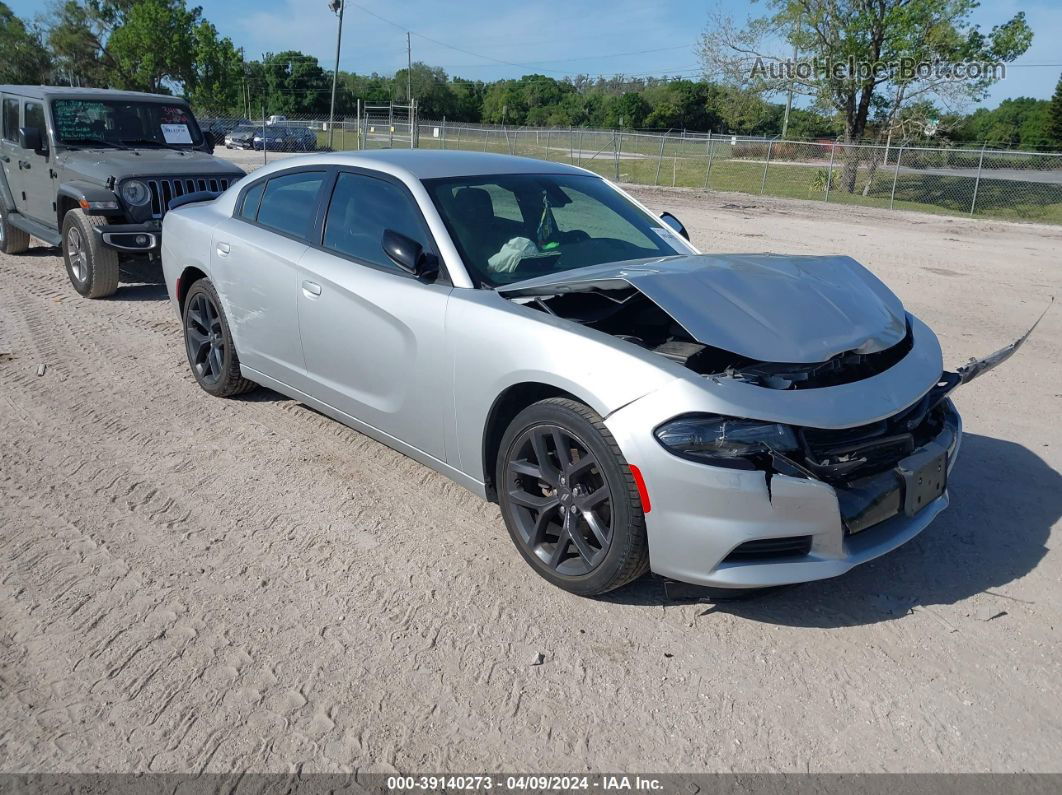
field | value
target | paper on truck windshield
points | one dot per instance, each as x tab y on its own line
176	133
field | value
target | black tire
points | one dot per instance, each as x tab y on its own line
91	266
208	343
592	558
12	239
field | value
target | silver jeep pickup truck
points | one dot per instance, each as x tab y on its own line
94	171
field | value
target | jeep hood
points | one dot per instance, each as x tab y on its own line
766	307
97	165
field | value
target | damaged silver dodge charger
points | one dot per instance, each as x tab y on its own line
531	331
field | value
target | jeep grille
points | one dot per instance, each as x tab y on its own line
163	189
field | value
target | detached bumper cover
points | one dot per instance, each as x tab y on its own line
702	514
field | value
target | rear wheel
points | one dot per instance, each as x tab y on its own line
569	500
91	266
208	343
12	239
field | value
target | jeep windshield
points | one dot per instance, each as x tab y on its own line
121	122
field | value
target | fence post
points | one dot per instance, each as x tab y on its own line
977	184
659	159
895	174
549	132
615	152
766	165
486	134
579	151
829	173
442	132
708	151
357	136
572	145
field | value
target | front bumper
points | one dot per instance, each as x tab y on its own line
701	515
145	238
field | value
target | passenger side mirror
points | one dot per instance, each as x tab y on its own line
30	138
409	255
675	224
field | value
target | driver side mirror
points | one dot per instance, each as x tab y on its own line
409	255
30	138
675	224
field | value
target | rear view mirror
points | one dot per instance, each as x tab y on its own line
408	254
675	224
30	138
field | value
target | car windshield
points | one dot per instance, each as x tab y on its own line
107	121
517	226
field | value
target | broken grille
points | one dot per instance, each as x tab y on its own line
163	189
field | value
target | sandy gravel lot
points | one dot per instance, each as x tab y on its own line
197	584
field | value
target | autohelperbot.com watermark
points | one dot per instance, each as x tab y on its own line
903	69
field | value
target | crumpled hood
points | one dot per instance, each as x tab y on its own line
767	307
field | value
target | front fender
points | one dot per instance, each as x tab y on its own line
80	191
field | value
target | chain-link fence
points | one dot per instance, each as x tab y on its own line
982	182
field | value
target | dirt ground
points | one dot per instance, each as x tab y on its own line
194	584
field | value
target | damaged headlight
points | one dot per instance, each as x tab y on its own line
725	441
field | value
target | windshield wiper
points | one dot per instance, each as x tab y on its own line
93	142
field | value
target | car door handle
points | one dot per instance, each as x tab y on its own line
223	249
311	288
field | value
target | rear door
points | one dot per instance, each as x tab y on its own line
254	260
10	120
373	335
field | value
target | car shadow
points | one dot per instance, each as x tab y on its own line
1005	501
140	281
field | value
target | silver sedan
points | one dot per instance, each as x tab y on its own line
534	333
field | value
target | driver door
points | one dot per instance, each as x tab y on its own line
372	334
38	178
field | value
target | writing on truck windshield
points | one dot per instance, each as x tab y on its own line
124	123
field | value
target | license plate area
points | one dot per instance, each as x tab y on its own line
925	477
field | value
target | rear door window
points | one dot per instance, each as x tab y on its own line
11	119
289	201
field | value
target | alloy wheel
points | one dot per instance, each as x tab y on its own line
76	254
562	504
205	338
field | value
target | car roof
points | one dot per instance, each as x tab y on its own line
435	163
69	92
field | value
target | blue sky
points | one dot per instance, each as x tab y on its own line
489	39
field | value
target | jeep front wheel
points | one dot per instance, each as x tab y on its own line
91	266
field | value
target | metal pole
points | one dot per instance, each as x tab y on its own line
615	152
444	132
390	125
549	132
572	144
767	163
977	183
619	151
357	139
895	174
829	174
265	146
414	124
659	159
708	151
335	75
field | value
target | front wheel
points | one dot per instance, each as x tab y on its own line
208	343
569	499
91	266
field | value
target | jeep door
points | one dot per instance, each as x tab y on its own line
373	334
38	175
10	120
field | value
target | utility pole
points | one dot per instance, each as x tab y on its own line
337	8
409	85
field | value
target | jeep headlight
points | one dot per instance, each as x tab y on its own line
135	192
724	441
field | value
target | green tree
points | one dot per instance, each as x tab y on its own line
292	83
24	58
877	38
218	81
155	44
1054	123
1020	122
